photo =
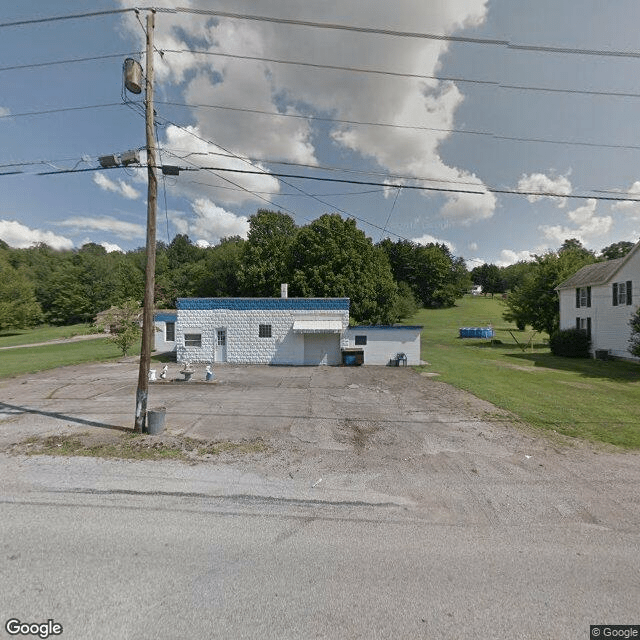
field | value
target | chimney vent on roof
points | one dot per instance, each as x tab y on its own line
284	290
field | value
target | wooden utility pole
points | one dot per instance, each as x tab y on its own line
142	393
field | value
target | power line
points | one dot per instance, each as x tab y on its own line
52	63
339	27
74	16
330	67
60	110
321	118
407	34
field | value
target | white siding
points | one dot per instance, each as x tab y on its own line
609	324
161	344
383	343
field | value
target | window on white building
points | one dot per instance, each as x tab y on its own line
264	331
170	332
583	297
584	324
622	293
360	341
192	339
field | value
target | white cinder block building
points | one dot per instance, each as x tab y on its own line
600	298
286	331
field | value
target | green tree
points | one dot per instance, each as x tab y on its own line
535	302
331	257
489	277
435	276
266	260
616	250
222	269
634	340
123	322
19	308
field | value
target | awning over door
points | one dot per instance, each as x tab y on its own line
317	326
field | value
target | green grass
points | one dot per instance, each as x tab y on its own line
584	398
13	337
15	362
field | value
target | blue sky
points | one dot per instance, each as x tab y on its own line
560	131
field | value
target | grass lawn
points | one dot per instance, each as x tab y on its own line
585	398
14	362
13	337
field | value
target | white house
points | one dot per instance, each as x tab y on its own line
287	331
601	298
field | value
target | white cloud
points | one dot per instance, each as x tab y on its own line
427	105
211	223
120	228
4	112
472	246
229	187
539	182
110	248
588	225
20	236
120	187
508	256
429	239
630	206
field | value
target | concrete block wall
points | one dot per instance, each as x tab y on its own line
244	346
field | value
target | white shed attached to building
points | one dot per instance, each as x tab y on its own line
384	344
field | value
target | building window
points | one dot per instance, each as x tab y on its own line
222	337
361	341
622	293
264	331
192	339
170	332
584	324
583	297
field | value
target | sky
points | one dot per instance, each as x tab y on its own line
417	138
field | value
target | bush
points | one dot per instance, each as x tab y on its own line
570	343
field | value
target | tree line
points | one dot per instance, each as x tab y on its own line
329	257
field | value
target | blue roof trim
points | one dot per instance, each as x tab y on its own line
263	304
165	317
385	326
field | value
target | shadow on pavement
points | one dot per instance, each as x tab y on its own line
91	423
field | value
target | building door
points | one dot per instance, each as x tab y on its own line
221	345
321	348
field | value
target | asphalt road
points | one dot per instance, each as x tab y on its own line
187	562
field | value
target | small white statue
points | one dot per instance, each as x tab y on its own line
163	375
208	373
152	375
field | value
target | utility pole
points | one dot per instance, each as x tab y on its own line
142	393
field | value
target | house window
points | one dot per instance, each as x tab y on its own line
192	339
264	331
361	341
584	324
622	293
583	297
222	337
170	332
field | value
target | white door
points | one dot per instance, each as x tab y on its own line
221	345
